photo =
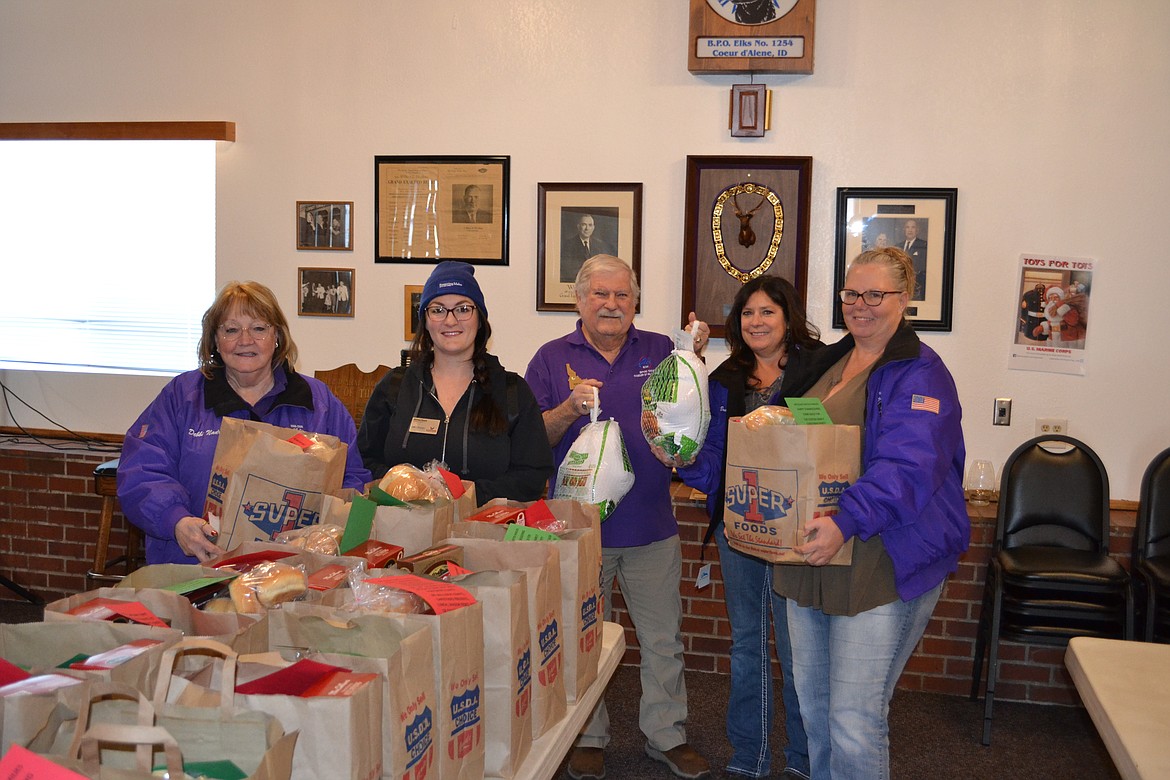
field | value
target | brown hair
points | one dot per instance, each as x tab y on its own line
798	330
255	300
487	415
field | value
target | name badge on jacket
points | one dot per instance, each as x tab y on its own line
424	425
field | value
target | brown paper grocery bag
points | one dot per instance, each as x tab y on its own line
403	654
780	476
579	547
240	632
254	741
541	562
459	680
262	483
340	734
507	659
412	528
40	647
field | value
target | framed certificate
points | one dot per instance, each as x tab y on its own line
428	209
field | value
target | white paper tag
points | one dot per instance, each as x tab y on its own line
704	578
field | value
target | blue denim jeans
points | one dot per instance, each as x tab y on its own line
751	606
846	669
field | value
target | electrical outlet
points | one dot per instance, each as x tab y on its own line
1047	425
1003	412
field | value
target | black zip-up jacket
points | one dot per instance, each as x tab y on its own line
514	465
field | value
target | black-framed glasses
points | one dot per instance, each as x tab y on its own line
871	297
438	312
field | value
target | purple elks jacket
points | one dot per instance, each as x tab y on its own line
911	488
168	452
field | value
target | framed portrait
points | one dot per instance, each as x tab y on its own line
428	209
745	217
325	292
411	298
919	221
575	222
324	225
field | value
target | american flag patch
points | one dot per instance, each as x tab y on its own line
142	431
924	402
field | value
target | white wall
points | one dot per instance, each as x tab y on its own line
1049	116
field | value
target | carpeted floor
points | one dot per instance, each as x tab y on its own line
932	737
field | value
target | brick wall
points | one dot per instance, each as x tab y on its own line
49	523
49	520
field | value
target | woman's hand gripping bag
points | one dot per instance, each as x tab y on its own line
675	408
596	470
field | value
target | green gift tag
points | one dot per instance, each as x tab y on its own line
382	498
221	769
196	584
359	523
522	533
808	411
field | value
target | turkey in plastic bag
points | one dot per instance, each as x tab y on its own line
675	408
596	470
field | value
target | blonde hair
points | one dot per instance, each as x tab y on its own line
255	300
894	260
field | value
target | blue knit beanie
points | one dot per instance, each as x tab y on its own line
452	277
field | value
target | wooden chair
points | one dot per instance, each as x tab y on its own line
105	484
352	386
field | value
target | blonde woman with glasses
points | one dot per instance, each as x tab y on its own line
246	370
853	628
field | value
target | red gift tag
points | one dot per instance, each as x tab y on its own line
301	440
440	596
454	484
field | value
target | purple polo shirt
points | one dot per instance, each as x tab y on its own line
644	515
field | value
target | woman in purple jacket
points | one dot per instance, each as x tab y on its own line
770	341
246	359
854	627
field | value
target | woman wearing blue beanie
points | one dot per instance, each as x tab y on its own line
455	403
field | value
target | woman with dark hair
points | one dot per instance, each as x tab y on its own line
455	403
770	340
246	360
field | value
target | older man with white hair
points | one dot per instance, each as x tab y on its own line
640	543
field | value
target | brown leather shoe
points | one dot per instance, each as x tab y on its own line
684	761
587	763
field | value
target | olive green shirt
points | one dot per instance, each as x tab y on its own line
868	581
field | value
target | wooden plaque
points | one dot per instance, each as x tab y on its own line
751	36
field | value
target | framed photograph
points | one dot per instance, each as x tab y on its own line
322	225
411	298
920	221
325	292
575	222
745	217
428	209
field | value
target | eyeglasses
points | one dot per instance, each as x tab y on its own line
462	312
260	331
871	297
